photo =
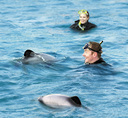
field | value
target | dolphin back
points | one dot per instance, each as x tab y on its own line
47	57
56	101
32	57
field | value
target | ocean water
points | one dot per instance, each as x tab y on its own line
43	26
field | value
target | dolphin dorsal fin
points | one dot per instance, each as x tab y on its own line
28	53
76	100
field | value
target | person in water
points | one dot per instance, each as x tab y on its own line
92	53
83	22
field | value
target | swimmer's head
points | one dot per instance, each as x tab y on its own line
28	53
83	16
95	47
83	11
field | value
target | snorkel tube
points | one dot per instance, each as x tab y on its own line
101	42
80	26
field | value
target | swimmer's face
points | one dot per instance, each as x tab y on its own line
83	18
88	54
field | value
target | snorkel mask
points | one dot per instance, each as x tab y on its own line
83	11
88	44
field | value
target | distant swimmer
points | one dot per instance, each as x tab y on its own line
92	53
32	57
60	101
83	23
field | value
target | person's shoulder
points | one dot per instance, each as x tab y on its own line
103	62
100	61
91	25
77	21
75	24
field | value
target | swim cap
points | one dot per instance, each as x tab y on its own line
83	11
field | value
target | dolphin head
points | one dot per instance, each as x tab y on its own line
40	99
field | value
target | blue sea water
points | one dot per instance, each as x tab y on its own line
43	26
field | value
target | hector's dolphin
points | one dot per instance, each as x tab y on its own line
60	101
32	57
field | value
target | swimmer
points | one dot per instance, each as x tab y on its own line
32	57
92	53
83	22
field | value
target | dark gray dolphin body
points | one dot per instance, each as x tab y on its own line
60	101
32	57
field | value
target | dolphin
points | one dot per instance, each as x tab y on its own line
60	101
32	57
